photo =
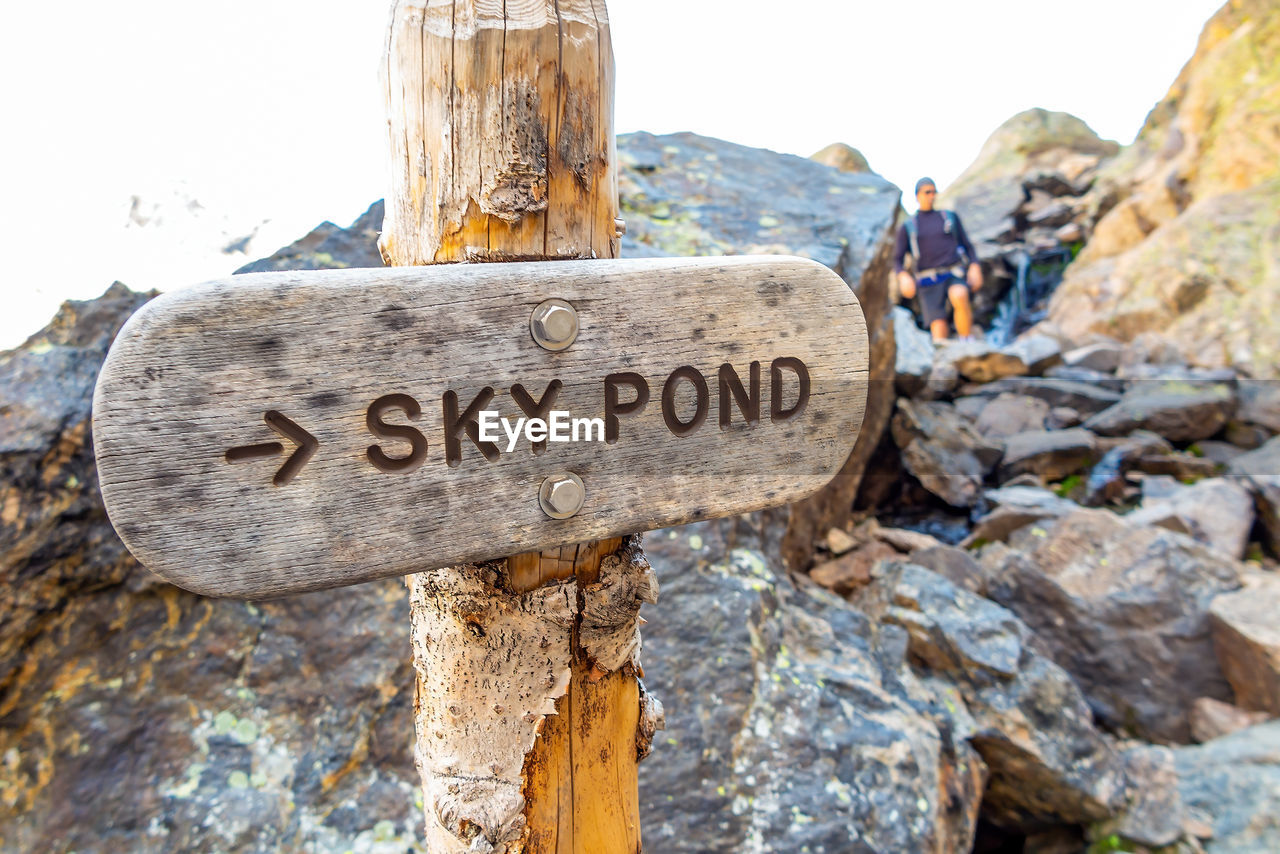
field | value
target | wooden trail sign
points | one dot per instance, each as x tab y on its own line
271	434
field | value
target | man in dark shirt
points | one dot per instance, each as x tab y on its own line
946	265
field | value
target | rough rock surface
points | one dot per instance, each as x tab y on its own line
1008	414
913	361
1015	507
1216	511
1052	454
1179	414
1232	784
943	451
1186	238
133	711
789	726
1259	470
1125	610
1246	636
1085	398
1048	764
1154	816
1212	719
138	717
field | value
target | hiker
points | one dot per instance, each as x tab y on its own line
946	266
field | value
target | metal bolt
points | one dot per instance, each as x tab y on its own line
619	227
562	495
554	324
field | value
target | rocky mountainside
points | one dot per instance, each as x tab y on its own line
1186	246
1022	201
1035	614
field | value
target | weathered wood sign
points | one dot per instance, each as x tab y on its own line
281	432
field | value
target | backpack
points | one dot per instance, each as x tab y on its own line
913	231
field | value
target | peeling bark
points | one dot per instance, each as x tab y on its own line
610	633
490	667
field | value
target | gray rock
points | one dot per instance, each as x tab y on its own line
1084	398
1177	414
943	451
971	407
1212	719
1260	403
1125	610
1103	356
1008	414
1088	376
1233	784
1217	511
1246	636
1052	454
955	565
788	726
1016	507
913	361
1062	417
1154	815
1259	470
1048	763
1037	352
1219	453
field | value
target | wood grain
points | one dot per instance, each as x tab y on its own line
198	373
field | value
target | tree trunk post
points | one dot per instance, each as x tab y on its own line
530	718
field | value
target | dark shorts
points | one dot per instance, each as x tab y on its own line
933	299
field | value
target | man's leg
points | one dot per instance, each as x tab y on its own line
939	328
959	295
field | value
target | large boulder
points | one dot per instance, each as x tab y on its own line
943	450
685	194
1051	454
1246	635
1216	511
1187	236
133	710
1232	785
789	726
1125	610
1178	412
1048	763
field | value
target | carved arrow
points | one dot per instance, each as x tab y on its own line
288	428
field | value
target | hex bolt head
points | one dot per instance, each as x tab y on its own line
562	495
554	324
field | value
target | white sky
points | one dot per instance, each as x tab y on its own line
268	112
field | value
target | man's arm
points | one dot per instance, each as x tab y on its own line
900	249
906	282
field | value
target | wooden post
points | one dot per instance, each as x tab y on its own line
501	128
